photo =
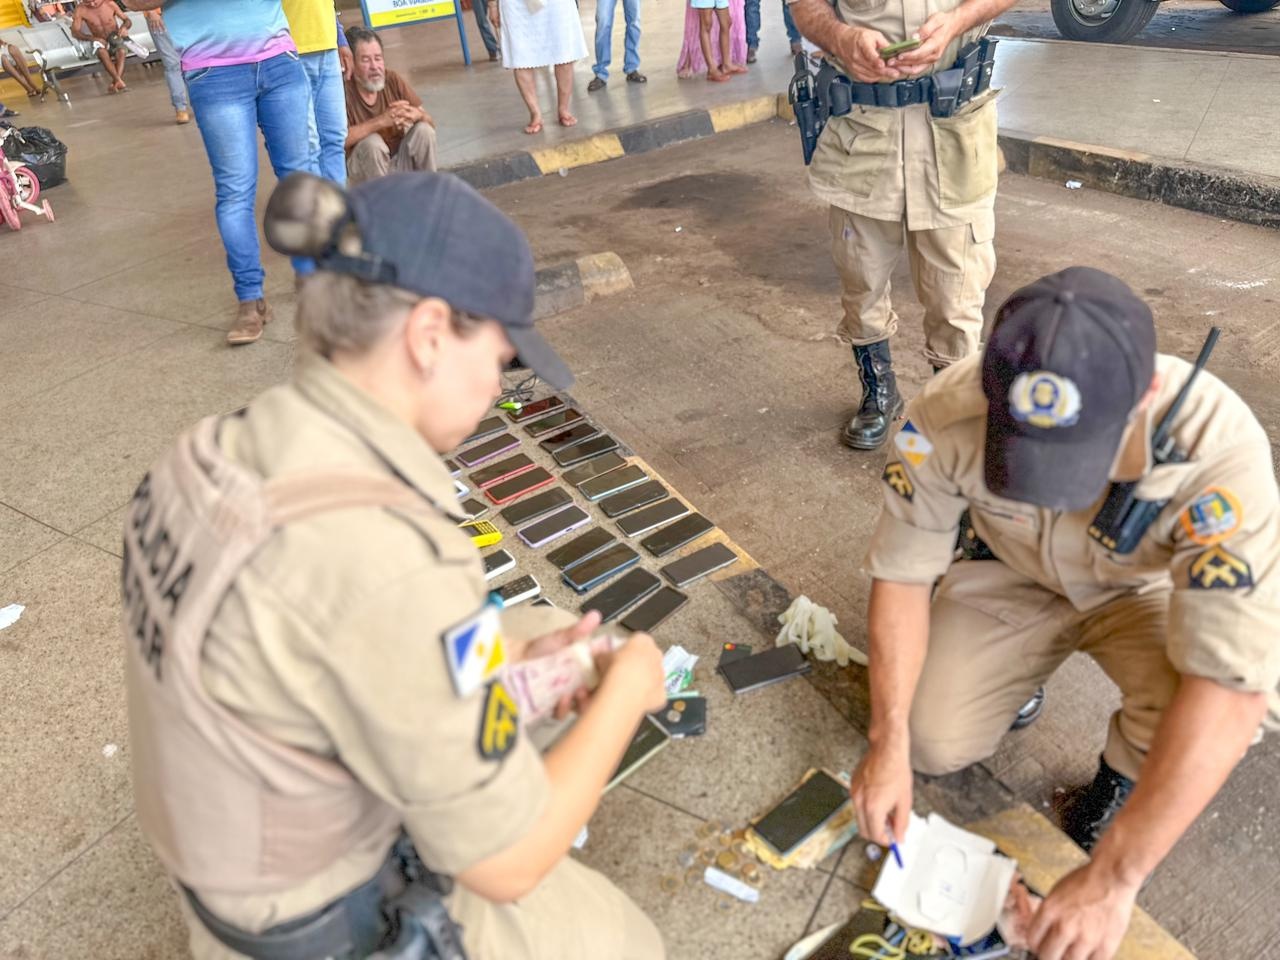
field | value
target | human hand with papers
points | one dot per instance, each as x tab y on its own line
881	793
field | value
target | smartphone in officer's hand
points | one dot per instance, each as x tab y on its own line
893	49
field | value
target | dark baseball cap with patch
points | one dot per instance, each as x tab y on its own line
433	234
1068	361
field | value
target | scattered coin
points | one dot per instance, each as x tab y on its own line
726	860
688	856
741	848
673	716
670	884
751	874
693	876
708	830
707	856
679	706
725	839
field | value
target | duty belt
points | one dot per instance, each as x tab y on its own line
398	914
831	93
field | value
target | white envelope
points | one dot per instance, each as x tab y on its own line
952	882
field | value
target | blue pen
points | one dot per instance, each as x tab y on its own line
893	846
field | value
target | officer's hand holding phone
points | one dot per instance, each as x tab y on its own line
859	51
936	33
881	792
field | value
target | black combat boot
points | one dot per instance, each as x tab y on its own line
1089	813
881	403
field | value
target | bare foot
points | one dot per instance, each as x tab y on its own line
568	119
715	76
735	68
119	85
534	125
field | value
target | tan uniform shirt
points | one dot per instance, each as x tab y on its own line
891	163
331	641
1216	545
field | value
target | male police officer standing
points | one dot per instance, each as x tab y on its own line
1028	439
910	156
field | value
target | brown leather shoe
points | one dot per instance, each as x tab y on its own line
252	316
183	116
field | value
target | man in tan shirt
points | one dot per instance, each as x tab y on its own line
387	128
899	176
1027	438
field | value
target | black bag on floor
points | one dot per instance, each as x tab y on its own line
39	150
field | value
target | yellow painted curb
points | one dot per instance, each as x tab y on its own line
1045	856
733	116
783	109
603	274
578	153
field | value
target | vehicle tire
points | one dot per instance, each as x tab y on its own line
1249	6
1106	21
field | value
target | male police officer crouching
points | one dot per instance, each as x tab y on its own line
311	660
1027	438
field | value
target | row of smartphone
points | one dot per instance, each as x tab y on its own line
624	492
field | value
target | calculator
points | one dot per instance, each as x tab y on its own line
482	533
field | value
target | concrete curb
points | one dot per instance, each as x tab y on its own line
624	142
567	285
1213	190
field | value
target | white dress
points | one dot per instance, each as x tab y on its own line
550	36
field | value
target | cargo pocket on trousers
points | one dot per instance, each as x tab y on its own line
861	147
964	148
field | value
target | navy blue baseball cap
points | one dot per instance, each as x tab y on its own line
434	235
1069	360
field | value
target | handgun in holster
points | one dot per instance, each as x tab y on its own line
1123	519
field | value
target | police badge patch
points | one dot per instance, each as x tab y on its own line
499	723
895	475
1044	399
1212	517
1219	569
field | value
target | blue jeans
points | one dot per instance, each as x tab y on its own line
751	14
231	103
793	32
327	118
172	68
486	28
605	10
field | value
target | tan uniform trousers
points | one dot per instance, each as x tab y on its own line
950	266
995	636
574	914
371	158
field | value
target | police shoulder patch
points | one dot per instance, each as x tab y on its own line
1219	569
473	650
499	723
1212	517
895	475
912	444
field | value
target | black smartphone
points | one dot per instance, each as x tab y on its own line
625	592
698	564
802	813
568	456
580	548
644	618
650	518
487	451
558	524
485	428
497	562
536	409
764	668
501	470
648	740
529	510
593	468
575	434
683	717
676	535
473	509
638	496
614	481
519	590
453	468
605	564
522	483
557	421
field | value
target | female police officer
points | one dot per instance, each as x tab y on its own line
312	665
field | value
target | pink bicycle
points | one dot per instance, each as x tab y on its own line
19	189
